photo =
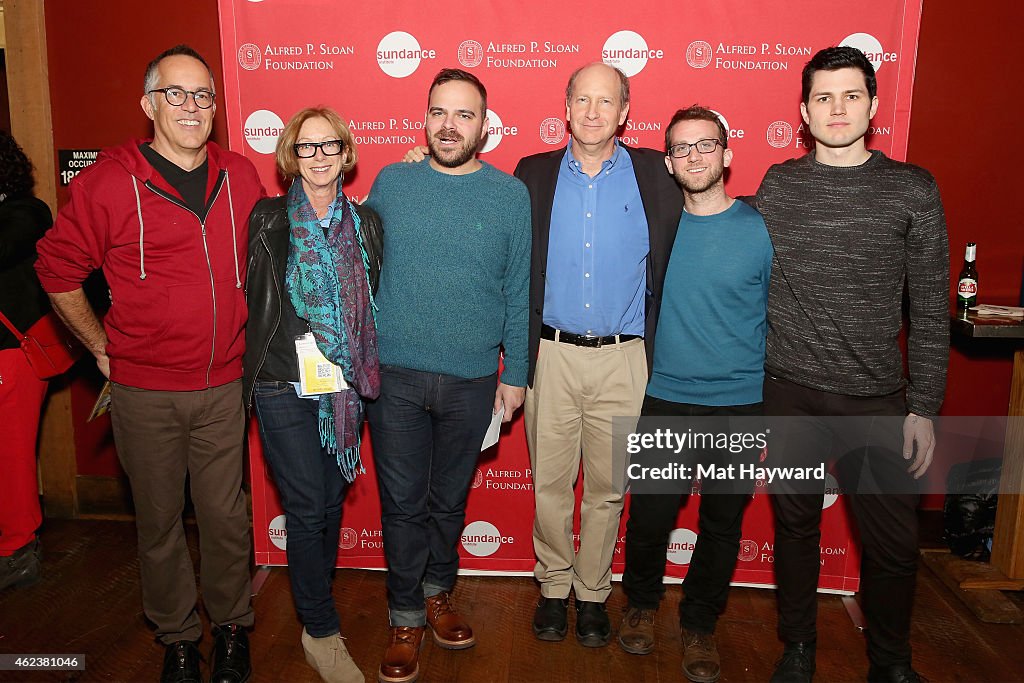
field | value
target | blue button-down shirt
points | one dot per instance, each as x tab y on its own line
325	222
596	276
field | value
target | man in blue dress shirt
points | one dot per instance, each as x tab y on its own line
604	219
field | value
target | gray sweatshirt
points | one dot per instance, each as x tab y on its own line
846	240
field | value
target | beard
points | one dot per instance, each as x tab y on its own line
702	184
451	157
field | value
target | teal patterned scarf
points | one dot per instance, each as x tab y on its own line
327	279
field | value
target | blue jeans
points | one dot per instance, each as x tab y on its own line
427	429
312	490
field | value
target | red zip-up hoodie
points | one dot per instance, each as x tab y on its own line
176	283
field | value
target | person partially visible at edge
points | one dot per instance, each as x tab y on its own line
851	229
166	220
604	218
23	220
454	289
708	362
314	258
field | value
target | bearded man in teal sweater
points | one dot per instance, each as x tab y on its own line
454	291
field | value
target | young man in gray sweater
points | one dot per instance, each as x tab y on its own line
850	227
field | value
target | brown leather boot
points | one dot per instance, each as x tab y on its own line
701	663
636	632
450	630
401	661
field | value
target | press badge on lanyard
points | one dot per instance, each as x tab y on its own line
317	375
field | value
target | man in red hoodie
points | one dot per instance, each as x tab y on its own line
166	219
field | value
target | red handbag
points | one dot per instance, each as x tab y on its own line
50	348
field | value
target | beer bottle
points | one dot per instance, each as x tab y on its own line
967	287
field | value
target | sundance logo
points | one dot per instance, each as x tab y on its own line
779	134
249	56
399	54
262	129
496	130
482	539
278	533
628	51
871	47
681	543
471	53
734	133
348	538
552	130
832	492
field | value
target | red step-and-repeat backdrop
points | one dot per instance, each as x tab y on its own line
373	63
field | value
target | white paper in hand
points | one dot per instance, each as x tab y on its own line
494	429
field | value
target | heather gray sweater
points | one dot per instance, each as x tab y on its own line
846	240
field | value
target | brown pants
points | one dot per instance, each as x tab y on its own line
161	436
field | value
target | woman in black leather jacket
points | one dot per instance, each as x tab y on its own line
314	258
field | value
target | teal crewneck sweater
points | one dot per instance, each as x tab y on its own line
709	348
454	286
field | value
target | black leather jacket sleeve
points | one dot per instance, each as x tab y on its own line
264	289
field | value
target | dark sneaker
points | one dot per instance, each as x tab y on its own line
550	620
21	568
592	626
901	673
796	664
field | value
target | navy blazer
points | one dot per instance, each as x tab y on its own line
663	205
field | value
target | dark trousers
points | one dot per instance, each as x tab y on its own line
887	521
162	436
312	490
427	429
652	518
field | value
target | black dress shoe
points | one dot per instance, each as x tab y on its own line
181	663
21	568
901	673
796	664
549	620
230	655
592	626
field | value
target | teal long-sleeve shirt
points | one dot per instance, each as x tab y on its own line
454	285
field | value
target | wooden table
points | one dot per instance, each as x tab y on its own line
979	584
1008	541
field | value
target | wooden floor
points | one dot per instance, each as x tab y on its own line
89	602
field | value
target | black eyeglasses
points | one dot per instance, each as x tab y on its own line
330	148
177	96
682	150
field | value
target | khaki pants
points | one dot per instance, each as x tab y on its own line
569	410
161	436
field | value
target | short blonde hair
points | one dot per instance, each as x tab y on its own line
288	163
